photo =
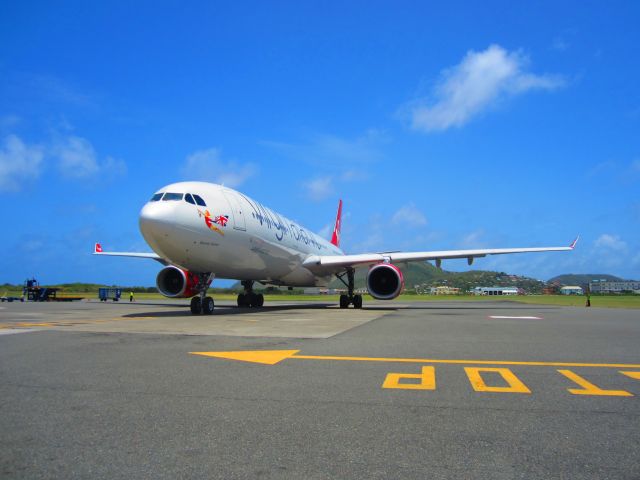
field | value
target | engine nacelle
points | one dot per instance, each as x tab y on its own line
176	283
385	281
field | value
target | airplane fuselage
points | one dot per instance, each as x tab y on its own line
220	230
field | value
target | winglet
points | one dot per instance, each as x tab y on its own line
573	244
97	248
335	238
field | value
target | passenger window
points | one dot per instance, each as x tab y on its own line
172	196
199	200
156	197
189	199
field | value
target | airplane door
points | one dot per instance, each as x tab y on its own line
237	210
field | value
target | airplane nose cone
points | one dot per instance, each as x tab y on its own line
153	220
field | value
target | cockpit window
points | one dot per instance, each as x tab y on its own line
156	197
199	200
172	196
189	199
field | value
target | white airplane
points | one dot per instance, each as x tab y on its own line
199	231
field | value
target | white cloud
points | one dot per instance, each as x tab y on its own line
56	89
207	165
611	242
472	86
326	231
18	163
409	215
373	242
331	150
473	240
603	168
78	160
560	44
336	159
319	188
114	166
354	175
623	174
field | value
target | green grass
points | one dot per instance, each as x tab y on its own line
607	301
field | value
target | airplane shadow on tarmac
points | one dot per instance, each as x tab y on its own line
230	310
233	310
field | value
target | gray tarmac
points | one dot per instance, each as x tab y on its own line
397	390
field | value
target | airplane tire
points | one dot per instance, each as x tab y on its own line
207	306
259	300
196	306
241	300
357	301
254	300
344	301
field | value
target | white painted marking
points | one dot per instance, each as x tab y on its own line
522	317
11	331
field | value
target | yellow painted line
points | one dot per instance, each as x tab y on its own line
267	357
272	357
427	380
589	388
478	383
635	375
34	324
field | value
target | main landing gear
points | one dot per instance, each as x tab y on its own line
346	300
249	298
202	304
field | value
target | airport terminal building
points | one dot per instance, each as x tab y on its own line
626	286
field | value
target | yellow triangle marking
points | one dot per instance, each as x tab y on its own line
267	357
635	375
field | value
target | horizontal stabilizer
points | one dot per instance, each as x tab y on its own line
153	256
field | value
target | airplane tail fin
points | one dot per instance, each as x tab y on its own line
97	248
335	238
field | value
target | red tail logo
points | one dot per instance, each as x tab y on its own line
98	248
335	238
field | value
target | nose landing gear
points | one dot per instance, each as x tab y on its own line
203	304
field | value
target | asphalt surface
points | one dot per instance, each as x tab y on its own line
89	390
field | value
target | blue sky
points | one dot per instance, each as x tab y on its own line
471	124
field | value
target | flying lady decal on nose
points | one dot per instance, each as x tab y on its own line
221	220
212	221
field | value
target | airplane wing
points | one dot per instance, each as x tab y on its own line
340	262
98	251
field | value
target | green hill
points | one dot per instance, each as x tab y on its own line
583	279
427	275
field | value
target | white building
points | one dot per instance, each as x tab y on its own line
495	291
444	290
614	287
571	290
